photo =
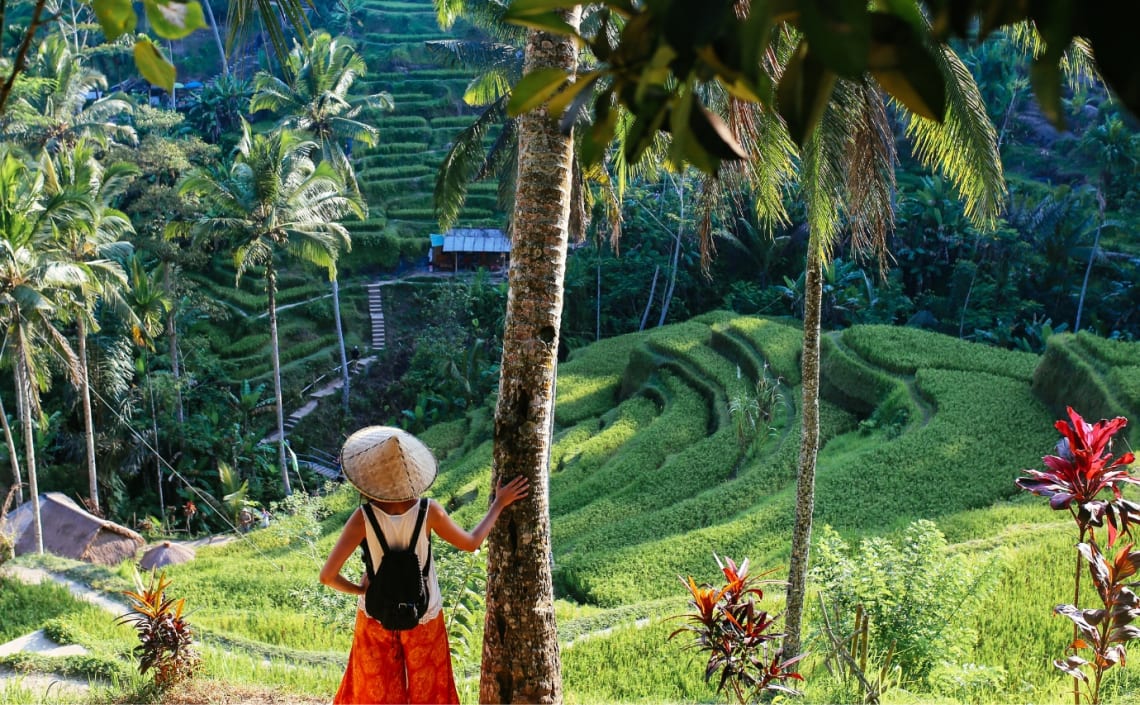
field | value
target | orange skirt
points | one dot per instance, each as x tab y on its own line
412	666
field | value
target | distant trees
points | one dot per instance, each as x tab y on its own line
274	199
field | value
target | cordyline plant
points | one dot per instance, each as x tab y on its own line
737	634
166	641
1076	479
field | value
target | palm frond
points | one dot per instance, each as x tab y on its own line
871	176
464	161
963	146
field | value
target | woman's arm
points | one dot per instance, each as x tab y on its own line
345	546
442	524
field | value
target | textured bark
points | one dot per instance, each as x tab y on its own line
809	448
24	393
172	341
12	457
521	659
275	354
340	343
88	423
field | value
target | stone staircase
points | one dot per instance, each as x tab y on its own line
376	312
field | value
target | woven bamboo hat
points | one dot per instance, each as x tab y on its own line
388	464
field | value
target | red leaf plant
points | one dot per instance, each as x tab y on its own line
738	635
1075	479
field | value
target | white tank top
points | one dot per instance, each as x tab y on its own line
397	530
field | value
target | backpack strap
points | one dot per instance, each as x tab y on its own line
367	508
416	534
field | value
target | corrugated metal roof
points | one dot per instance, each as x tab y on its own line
476	240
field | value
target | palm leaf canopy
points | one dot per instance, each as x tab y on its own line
274	196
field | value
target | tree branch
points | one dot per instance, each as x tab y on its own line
20	62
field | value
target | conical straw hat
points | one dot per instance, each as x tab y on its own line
388	464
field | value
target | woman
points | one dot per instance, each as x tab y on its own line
392	468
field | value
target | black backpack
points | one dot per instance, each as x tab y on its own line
397	594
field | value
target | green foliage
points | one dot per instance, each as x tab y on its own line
904	350
166	647
589	381
28	607
917	595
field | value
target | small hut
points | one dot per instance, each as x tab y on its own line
72	532
469	248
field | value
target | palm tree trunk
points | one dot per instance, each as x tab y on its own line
521	658
1088	269
217	37
598	297
809	448
340	343
649	303
88	423
11	443
24	390
275	354
172	340
676	257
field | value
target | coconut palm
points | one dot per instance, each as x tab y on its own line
272	199
33	288
313	99
58	112
96	247
497	62
520	636
846	179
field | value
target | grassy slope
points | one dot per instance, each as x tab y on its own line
649	480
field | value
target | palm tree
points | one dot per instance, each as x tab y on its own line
58	116
846	175
313	99
521	659
96	247
275	198
498	65
32	286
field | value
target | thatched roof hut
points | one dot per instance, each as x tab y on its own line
72	532
164	554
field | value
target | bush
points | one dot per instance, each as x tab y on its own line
917	596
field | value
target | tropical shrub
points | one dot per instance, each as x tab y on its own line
1076	479
918	597
738	636
166	647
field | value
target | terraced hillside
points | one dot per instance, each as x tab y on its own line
397	176
650	478
239	331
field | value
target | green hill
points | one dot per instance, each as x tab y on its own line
649	478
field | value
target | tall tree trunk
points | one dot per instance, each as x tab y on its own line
1088	268
649	303
340	343
88	423
275	354
521	658
598	297
172	340
24	391
12	457
809	448
217	37
676	256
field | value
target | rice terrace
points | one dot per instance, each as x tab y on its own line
762	352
